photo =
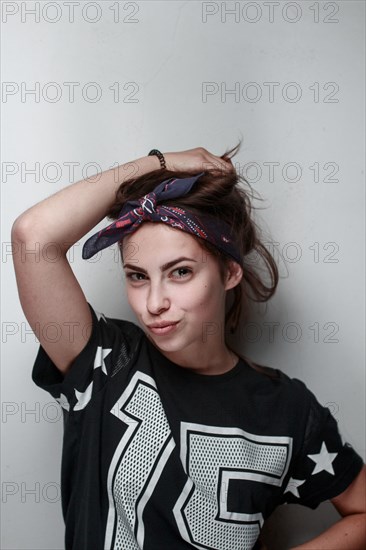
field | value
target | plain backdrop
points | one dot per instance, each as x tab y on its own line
111	81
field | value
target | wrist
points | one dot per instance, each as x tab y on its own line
160	156
168	161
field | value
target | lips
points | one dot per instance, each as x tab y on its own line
163	328
163	324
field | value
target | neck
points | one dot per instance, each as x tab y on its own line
204	362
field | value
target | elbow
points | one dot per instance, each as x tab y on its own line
16	229
20	229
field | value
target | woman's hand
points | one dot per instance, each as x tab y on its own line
196	160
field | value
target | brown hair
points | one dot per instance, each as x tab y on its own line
219	194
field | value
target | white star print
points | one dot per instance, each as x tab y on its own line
323	460
63	401
100	315
100	355
84	397
292	486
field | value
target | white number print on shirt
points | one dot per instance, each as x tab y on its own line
211	456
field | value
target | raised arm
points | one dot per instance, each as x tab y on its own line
41	236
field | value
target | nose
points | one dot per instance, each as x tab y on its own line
157	299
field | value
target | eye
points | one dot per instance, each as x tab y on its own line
130	276
184	272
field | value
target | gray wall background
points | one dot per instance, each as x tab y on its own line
287	77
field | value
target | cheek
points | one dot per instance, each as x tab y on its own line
134	299
199	298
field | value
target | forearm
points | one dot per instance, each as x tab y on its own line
349	533
68	215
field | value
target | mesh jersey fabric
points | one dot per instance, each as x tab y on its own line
156	456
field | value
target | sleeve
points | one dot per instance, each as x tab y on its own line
108	349
325	465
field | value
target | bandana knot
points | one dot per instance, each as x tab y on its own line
147	205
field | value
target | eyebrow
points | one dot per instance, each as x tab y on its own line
163	267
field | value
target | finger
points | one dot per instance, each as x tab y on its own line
220	162
226	164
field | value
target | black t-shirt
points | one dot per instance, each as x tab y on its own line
156	456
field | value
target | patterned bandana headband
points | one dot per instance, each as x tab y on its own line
146	208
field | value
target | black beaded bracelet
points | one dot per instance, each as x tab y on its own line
160	157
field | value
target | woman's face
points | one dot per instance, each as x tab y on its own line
162	287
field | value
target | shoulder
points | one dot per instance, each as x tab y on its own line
125	326
122	335
274	386
275	376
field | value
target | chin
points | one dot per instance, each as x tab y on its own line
166	345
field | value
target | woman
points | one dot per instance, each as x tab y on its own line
172	439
